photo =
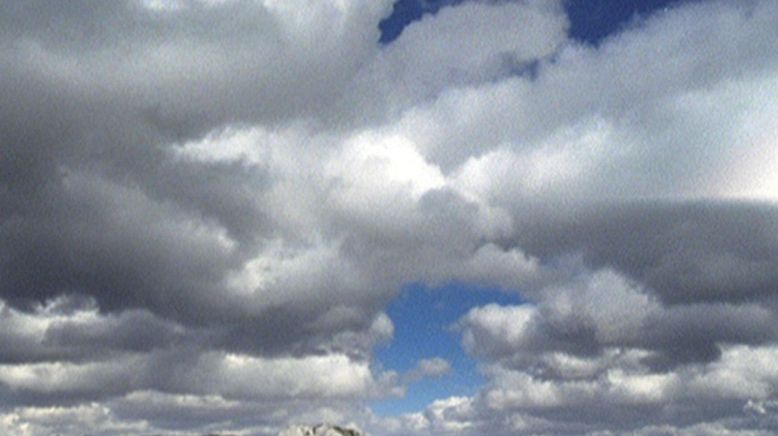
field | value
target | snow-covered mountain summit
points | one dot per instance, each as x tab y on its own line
320	430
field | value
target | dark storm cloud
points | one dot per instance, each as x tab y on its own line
673	336
175	54
702	251
131	331
42	337
81	133
94	204
114	246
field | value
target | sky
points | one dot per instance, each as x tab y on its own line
440	217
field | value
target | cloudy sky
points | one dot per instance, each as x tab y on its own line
431	217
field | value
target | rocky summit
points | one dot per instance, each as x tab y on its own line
320	430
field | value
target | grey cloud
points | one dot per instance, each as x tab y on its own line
190	413
417	68
194	372
162	60
517	402
234	191
48	334
113	243
131	331
88	141
684	252
432	367
607	313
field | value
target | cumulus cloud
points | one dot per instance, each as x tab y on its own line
206	207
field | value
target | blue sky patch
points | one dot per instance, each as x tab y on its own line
590	20
423	319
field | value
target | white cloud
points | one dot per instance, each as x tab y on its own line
434	367
492	40
34	421
431	367
508	326
229	375
245	376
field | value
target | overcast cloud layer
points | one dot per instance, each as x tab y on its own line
206	206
